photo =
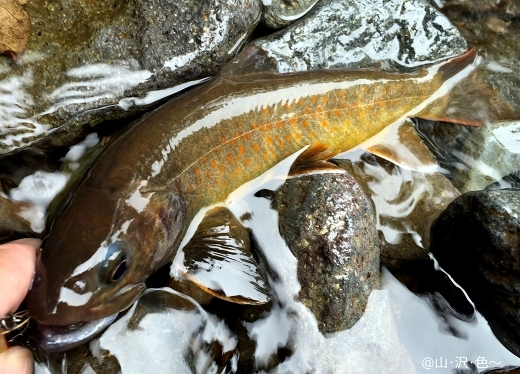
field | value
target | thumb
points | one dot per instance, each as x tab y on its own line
16	360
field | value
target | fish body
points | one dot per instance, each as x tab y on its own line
130	212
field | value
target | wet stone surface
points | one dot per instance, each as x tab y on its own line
87	62
477	241
328	223
350	34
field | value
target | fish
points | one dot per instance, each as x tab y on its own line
130	212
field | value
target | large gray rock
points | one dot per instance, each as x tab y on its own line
477	241
328	223
352	34
91	61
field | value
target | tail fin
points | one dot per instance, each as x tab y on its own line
471	101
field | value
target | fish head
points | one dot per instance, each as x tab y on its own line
99	253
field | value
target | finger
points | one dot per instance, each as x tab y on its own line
16	360
17	263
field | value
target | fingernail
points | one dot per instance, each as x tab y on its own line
16	360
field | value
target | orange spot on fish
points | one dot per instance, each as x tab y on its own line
197	171
223	141
341	94
233	141
208	174
266	156
299	102
214	164
325	99
281	144
297	136
269	126
229	159
248	162
288	137
354	104
305	123
242	149
279	124
312	134
257	167
221	168
239	122
238	171
307	111
256	148
188	189
314	99
292	120
203	159
248	135
217	149
255	126
337	113
266	110
320	109
287	106
269	140
324	123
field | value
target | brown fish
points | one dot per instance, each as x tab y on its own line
129	214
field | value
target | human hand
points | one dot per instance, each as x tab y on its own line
17	264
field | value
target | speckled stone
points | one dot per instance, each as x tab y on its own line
89	61
280	13
392	34
328	223
477	241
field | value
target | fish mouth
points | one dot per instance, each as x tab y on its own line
63	338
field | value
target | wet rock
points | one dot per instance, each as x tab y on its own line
407	202
489	154
280	13
495	32
475	157
477	241
328	223
353	34
92	61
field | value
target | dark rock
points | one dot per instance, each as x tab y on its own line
477	241
406	204
280	13
92	61
353	34
328	223
508	7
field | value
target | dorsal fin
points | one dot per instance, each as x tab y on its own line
218	259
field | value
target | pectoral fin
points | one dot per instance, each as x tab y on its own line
403	146
315	159
218	259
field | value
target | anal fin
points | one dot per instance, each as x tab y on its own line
218	260
402	145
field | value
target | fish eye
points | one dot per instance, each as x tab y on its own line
115	262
